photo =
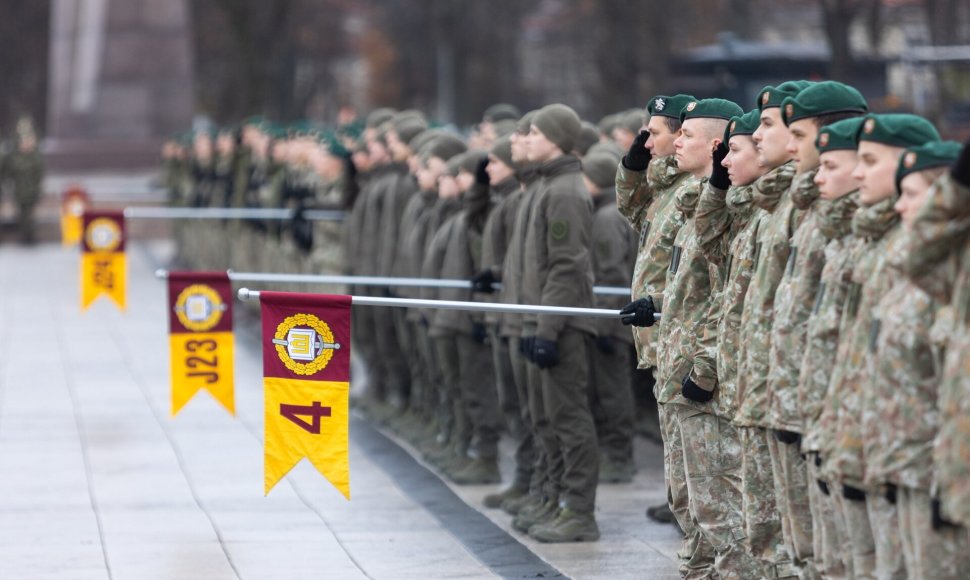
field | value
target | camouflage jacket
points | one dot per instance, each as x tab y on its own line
938	260
771	254
822	337
794	300
646	200
614	252
726	218
875	228
512	265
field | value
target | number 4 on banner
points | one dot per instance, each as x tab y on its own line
314	410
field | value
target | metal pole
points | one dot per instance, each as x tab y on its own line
213	213
376	281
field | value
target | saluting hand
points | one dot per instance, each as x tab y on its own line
638	158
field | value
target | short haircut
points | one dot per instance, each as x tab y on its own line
829	118
673	125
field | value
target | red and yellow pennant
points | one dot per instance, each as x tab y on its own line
200	337
73	203
103	265
306	376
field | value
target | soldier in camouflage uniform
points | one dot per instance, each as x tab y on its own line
905	365
646	180
814	107
881	143
23	172
839	199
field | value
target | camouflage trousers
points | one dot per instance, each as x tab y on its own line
929	553
859	533
828	531
712	462
762	523
791	495
884	522
525	448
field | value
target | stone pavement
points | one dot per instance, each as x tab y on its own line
98	481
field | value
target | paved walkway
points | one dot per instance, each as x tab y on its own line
97	481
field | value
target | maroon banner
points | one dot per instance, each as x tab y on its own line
306	336
104	231
199	302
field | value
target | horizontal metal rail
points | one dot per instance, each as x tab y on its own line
235	213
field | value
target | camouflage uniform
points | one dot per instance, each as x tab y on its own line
832	553
875	227
24	170
792	306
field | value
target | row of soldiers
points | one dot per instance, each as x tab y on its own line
22	176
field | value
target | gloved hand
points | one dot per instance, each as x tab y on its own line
545	353
961	169
424	321
527	347
891	491
606	345
481	176
719	174
638	158
822	486
483	282
479	333
853	493
939	522
787	437
692	391
638	313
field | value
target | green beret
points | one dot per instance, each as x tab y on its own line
331	142
840	135
898	130
600	168
745	124
928	156
825	98
710	109
664	106
773	96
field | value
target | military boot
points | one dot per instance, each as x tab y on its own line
527	518
497	500
613	471
660	513
480	471
568	526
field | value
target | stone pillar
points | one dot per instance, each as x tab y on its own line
120	82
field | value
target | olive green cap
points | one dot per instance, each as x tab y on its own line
840	135
745	124
898	130
589	135
608	147
608	123
505	127
445	146
502	149
632	120
928	156
560	124
501	112
378	117
407	127
525	123
825	98
664	106
710	109
774	96
469	160
600	168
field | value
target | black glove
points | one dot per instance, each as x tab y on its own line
638	313
545	353
787	437
605	345
481	176
822	486
961	169
479	333
424	321
692	391
301	230
719	174
638	158
526	347
891	491
853	493
939	522
483	281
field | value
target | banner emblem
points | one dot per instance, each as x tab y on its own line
304	337
199	307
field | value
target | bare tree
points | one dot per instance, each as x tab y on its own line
837	19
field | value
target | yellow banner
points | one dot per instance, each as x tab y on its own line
71	228
103	273
202	361
307	419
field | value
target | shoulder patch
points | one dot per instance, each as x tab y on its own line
559	230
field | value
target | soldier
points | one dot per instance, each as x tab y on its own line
558	272
629	125
835	549
23	171
882	140
812	108
501	113
646	181
611	393
905	365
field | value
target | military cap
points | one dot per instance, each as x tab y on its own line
608	147
589	135
710	109
745	124
608	123
664	106
419	142
600	168
501	112
502	149
408	127
469	160
929	156
525	123
378	117
840	135
445	146
825	98
632	121
560	124
504	128
774	96
898	130
331	142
